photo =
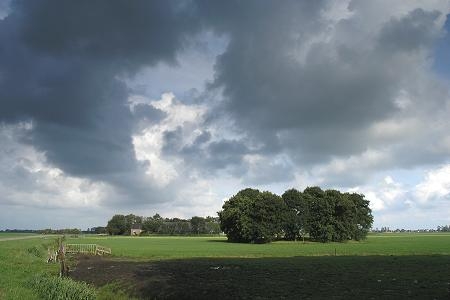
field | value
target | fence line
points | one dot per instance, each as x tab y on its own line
87	249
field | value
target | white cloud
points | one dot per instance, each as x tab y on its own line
345	171
26	179
435	187
385	195
401	205
149	142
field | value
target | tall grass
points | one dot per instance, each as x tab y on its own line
56	288
20	260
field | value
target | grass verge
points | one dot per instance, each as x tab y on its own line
19	261
51	287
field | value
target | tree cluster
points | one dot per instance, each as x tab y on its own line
122	224
445	228
259	217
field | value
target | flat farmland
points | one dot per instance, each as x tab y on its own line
385	266
5	235
157	247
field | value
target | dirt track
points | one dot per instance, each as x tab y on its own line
24	237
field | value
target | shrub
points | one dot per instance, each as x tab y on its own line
56	288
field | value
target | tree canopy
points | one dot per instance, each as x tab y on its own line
259	217
252	216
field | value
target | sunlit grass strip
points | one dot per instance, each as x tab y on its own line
164	247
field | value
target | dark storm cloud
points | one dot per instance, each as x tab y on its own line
226	152
120	33
148	113
257	32
411	32
59	67
286	85
287	89
279	103
172	141
267	88
202	152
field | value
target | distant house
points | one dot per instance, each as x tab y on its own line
136	230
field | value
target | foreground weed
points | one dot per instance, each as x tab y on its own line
113	292
56	288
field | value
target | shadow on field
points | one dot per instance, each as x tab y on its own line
226	241
336	277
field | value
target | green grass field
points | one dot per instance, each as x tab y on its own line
19	260
189	247
13	234
396	266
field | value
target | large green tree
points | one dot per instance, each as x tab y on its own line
321	211
153	224
121	225
362	216
252	216
132	220
117	225
336	216
296	214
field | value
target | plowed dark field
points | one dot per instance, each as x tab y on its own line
346	277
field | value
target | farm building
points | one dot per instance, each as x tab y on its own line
136	229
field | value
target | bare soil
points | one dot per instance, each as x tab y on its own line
371	277
133	277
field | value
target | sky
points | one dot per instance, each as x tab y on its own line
172	107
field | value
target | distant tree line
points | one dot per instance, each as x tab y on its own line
20	231
122	224
252	216
385	229
45	231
